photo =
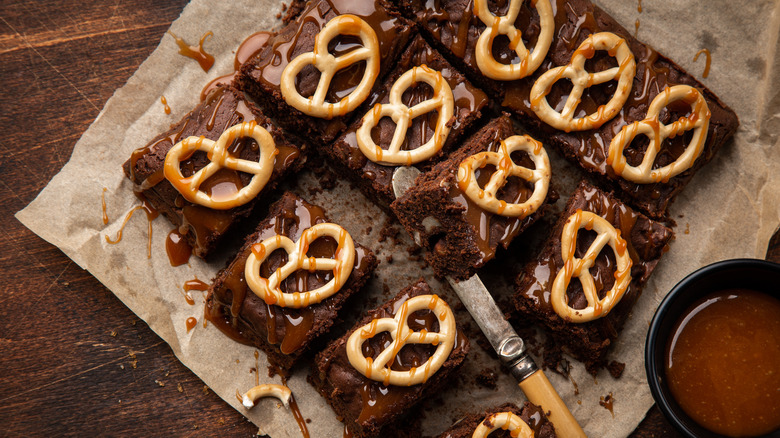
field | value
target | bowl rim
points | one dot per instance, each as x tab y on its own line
653	371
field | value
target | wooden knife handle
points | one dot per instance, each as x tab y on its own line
540	392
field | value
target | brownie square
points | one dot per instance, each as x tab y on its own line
455	28
261	75
533	416
646	241
366	406
285	334
204	227
459	235
376	179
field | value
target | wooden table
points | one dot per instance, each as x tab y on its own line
74	360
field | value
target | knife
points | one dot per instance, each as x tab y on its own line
508	345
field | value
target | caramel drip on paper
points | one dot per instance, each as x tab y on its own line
196	52
103	202
151	214
166	108
191	323
708	61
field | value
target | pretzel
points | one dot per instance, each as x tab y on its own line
379	369
442	102
575	267
329	65
581	79
220	157
505	167
281	392
657	132
504	420
269	288
505	25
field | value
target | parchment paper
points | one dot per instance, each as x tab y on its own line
729	210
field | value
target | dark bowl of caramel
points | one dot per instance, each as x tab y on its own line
713	351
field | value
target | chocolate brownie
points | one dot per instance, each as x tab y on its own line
367	406
284	333
376	179
533	416
646	240
222	108
461	236
455	27
261	76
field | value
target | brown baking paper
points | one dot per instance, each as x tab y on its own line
729	210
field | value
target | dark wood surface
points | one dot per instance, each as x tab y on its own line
74	360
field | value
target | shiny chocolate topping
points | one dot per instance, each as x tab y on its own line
223	108
242	315
645	241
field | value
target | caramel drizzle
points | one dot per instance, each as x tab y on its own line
708	61
151	214
195	52
191	323
103	202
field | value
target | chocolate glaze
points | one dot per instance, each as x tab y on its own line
532	414
365	405
375	179
646	240
286	332
261	76
468	236
452	25
202	226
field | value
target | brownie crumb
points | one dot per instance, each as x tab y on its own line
389	231
616	368
389	259
487	378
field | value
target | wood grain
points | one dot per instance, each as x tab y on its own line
75	361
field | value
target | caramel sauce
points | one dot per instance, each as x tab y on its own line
166	108
639	7
195	52
151	214
103	204
636	28
607	401
249	48
191	285
177	248
708	61
723	362
298	417
191	323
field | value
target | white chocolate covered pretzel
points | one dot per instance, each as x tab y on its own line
220	157
269	289
657	132
441	102
329	65
505	25
582	79
506	168
281	392
580	268
503	420
379	369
